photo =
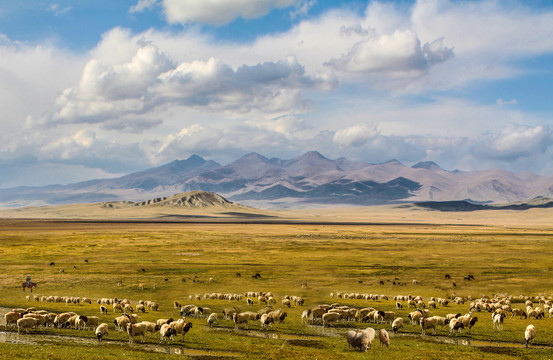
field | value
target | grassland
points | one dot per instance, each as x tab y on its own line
514	259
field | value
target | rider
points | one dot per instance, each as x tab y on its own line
28	280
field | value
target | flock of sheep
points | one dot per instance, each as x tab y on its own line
500	306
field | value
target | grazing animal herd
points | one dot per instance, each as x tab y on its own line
325	315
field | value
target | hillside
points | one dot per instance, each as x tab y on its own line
305	181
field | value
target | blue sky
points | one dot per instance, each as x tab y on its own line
94	89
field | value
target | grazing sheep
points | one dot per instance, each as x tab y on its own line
136	330
399	305
468	321
70	323
330	317
166	332
117	307
177	304
397	324
181	327
452	316
428	323
212	319
384	338
529	334
12	317
229	312
360	339
103	310
520	313
266	320
101	331
415	317
140	308
121	322
455	325
62	318
498	321
81	322
242	318
305	315
150	326
161	322
26	323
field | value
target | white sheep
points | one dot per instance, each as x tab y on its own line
81	322
498	321
101	331
397	324
12	317
121	322
241	318
212	319
455	325
181	327
331	317
26	323
384	338
161	322
150	326
529	334
468	321
166	332
137	330
428	323
360	339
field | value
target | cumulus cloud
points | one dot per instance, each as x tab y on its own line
219	12
516	141
356	135
397	53
150	80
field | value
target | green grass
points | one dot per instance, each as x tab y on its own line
329	259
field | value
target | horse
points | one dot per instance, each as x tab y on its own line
31	285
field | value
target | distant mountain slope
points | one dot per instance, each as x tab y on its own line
306	180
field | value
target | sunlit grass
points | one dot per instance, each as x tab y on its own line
174	261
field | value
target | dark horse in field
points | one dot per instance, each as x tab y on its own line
30	286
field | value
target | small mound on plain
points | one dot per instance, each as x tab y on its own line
194	199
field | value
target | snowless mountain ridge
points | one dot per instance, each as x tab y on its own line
307	180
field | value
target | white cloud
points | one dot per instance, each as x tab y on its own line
356	135
219	12
516	141
399	54
142	5
57	10
302	8
150	80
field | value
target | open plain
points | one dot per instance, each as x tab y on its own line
182	255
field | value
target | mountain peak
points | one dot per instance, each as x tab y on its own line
428	165
312	155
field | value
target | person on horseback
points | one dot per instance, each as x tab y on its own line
28	281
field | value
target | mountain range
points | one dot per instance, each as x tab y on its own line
307	180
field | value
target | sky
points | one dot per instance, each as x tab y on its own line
98	89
